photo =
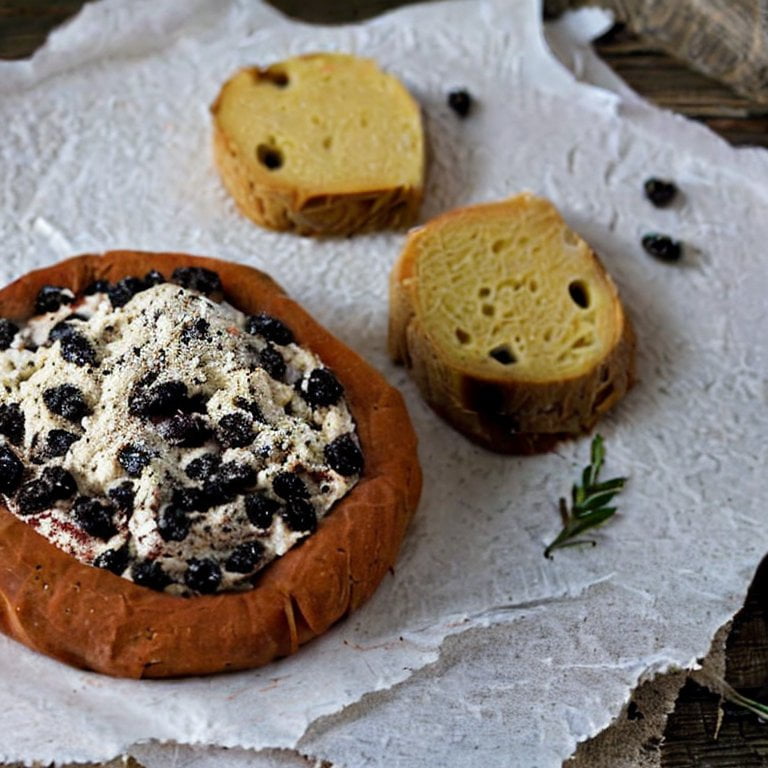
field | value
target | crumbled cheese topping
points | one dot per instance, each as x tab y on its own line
235	383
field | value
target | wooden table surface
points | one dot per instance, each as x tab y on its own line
697	734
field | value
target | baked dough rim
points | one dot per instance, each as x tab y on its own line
92	619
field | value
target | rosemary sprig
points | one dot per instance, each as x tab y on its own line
716	684
589	501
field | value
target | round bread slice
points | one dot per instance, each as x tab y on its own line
509	324
320	144
90	618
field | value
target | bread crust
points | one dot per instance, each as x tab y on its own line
90	618
303	209
503	414
290	209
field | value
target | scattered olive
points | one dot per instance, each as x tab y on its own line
272	362
288	485
235	430
59	441
124	290
660	193
460	101
662	247
55	484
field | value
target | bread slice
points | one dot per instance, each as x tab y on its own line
510	325
91	618
320	144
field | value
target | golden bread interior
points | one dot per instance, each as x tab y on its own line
508	290
327	123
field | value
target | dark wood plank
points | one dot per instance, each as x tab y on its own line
692	738
25	24
725	39
671	84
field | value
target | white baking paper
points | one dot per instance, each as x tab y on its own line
477	651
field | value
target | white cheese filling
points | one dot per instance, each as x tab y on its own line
159	334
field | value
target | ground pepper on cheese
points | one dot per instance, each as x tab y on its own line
152	431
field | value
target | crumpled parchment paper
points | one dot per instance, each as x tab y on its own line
477	651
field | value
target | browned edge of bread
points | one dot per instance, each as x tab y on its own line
503	415
90	618
289	209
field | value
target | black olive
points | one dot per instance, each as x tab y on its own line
95	518
460	101
344	456
235	430
12	422
149	573
11	470
660	193
245	557
663	247
197	279
173	524
114	560
51	297
203	575
8	330
261	509
270	328
320	388
66	400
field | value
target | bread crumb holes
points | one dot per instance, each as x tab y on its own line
278	77
462	336
503	354
269	156
579	293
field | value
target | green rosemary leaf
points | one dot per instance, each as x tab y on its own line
597	454
755	707
571	543
595	518
595	500
558	543
588	501
705	676
609	485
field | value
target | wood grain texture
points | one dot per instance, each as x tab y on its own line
689	739
725	39
671	84
695	736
